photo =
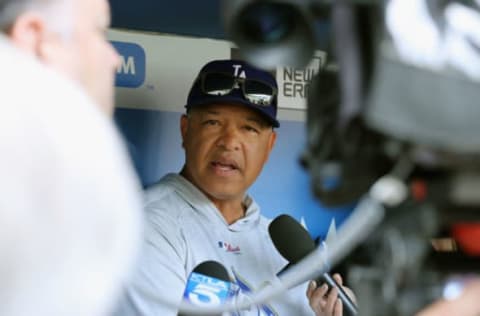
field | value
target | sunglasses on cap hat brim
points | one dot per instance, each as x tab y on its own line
256	91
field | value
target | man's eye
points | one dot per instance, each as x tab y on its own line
252	129
211	122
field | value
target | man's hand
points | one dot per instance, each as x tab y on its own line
324	302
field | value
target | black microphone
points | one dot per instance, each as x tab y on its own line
208	285
294	243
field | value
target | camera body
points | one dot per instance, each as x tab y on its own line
391	99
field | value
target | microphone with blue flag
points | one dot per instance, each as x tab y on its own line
208	285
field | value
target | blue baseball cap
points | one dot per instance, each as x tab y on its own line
240	69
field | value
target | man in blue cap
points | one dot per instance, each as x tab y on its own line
204	213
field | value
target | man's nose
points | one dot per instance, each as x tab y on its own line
114	57
229	138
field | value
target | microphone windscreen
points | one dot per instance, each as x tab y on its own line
292	241
212	269
208	285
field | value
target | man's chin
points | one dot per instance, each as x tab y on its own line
223	193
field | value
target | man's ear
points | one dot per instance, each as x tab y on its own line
28	32
183	127
272	138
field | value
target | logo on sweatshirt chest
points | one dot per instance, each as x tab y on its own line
229	247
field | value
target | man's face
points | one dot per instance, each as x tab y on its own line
226	147
85	54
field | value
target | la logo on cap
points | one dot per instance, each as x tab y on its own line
238	72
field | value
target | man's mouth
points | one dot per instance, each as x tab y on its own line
224	165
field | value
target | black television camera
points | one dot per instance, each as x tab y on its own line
398	99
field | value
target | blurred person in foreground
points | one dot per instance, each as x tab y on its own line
204	212
69	205
466	304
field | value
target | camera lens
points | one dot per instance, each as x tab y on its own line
267	23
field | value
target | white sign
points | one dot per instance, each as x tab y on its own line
293	83
171	63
